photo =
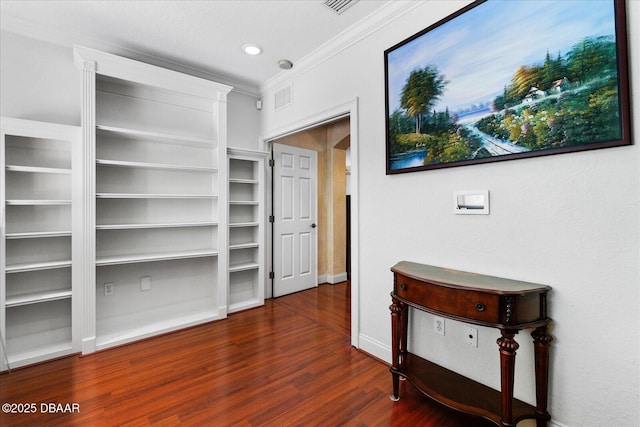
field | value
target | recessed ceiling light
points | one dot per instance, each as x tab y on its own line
252	49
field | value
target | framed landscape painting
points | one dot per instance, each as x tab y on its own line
501	80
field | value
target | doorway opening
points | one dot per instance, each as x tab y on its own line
331	141
347	110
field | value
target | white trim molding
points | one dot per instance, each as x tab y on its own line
332	279
381	17
376	349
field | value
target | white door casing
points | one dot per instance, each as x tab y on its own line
295	219
347	109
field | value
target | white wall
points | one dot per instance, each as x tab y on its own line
243	121
39	81
571	221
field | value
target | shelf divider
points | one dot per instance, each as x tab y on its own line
176	139
37	169
35	266
34	298
36	202
152	257
153	196
156	225
158	166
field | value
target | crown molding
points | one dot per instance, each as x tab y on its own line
381	17
68	39
135	71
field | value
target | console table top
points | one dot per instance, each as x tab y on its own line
462	279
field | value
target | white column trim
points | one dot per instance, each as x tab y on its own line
88	69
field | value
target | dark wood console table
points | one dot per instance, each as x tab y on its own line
508	305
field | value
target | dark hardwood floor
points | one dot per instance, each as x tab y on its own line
289	363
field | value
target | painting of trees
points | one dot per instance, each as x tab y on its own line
481	90
586	113
422	89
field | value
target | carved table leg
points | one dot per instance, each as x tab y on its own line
404	326
396	345
508	347
542	342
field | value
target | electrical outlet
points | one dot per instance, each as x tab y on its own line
471	336
438	325
108	289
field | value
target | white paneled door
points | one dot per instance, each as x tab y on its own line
295	224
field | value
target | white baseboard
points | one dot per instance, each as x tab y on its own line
88	345
374	348
332	278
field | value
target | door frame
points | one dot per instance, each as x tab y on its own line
348	109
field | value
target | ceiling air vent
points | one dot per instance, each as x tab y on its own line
339	6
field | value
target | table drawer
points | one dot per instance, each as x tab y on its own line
468	304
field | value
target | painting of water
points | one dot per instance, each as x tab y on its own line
505	80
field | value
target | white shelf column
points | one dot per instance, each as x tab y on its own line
88	69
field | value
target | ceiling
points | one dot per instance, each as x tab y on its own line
205	35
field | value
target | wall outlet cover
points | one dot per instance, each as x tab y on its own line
438	325
145	283
108	289
471	336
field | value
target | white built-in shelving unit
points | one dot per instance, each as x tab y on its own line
40	261
138	223
155	153
246	228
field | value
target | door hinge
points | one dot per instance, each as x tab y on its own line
272	162
272	275
272	219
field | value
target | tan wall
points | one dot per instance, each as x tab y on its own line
338	209
331	220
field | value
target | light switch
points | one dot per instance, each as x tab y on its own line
471	202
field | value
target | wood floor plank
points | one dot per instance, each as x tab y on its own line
288	363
